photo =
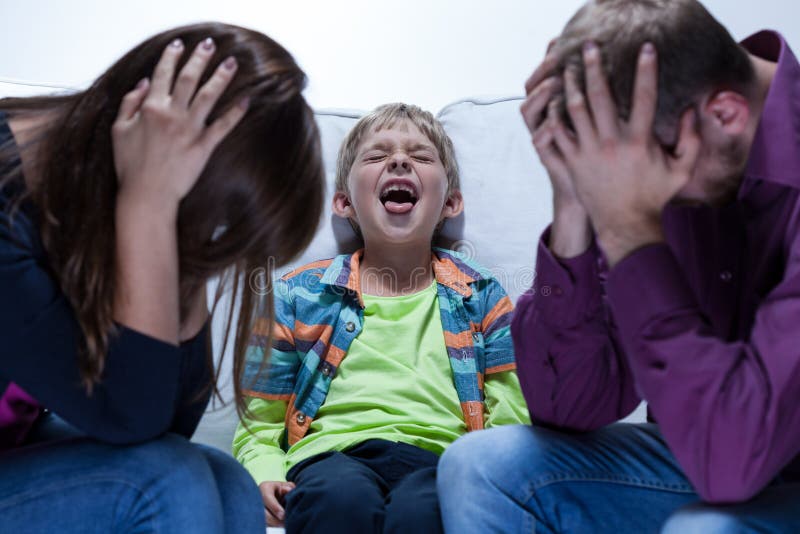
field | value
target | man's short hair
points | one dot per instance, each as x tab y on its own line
696	54
387	116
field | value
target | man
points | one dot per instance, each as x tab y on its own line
671	273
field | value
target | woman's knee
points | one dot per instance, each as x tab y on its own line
170	463
233	480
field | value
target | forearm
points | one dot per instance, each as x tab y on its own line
257	441
146	295
196	317
572	371
572	378
618	239
504	401
571	231
727	409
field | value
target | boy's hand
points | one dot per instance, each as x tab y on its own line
273	494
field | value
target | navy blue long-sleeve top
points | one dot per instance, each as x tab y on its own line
148	386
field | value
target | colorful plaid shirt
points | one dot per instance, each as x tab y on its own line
319	311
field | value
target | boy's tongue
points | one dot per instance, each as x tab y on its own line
398	207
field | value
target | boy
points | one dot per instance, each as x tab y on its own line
426	339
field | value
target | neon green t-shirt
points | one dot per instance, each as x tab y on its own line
395	383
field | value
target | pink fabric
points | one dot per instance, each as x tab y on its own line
18	411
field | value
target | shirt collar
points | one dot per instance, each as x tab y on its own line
774	155
449	269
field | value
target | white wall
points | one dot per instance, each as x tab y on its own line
357	53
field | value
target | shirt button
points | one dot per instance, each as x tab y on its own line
301	418
726	276
349	326
476	336
326	371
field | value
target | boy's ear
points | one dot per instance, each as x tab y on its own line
453	206
342	205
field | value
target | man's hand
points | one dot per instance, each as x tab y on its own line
571	233
273	494
622	176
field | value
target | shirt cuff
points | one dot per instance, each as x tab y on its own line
267	466
566	289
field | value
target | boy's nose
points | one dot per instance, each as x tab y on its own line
399	163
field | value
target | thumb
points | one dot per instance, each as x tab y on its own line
133	100
688	147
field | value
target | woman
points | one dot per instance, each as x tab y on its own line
117	204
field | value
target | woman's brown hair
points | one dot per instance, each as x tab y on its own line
256	204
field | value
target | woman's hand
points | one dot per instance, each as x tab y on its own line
161	145
160	138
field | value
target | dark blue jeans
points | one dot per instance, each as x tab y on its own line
75	484
615	480
376	486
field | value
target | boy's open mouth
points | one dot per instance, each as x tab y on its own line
399	197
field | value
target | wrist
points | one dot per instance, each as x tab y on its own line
618	240
153	206
571	231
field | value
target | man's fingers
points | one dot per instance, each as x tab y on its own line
188	77
688	147
133	100
645	92
536	102
550	157
221	127
544	70
566	145
602	105
165	69
576	107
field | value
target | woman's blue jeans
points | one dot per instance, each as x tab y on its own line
619	479
168	485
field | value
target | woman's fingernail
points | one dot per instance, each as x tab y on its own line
177	43
589	47
648	48
142	83
229	63
244	103
208	43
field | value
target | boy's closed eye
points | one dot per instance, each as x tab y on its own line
424	157
375	157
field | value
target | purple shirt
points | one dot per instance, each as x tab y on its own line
705	327
18	411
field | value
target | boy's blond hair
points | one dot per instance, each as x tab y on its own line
387	116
